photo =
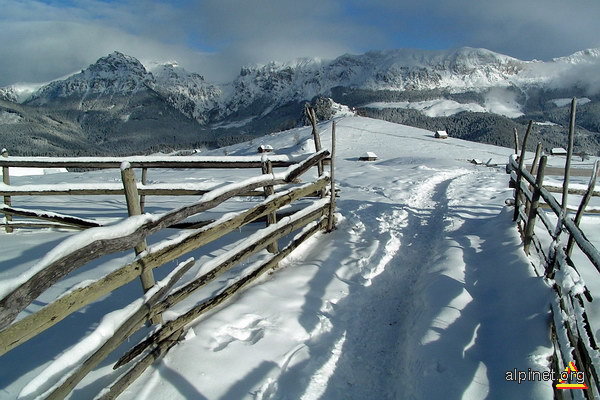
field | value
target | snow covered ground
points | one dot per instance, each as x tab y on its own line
422	292
497	101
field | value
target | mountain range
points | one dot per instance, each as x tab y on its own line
120	106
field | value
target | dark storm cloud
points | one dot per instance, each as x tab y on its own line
44	40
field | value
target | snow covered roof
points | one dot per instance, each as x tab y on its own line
558	151
369	155
265	148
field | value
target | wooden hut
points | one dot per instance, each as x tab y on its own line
368	156
265	148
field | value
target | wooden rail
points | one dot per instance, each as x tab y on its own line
573	337
9	191
131	233
148	162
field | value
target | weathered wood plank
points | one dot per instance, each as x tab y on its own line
228	261
139	162
162	347
535	202
582	242
567	174
267	168
134	208
174	325
584	202
519	169
117	190
39	225
51	314
558	189
22	296
312	117
143	181
331	217
54	217
6	181
126	329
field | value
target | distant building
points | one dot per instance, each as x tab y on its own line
265	148
441	135
368	156
558	151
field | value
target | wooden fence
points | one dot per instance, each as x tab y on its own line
95	242
55	220
572	335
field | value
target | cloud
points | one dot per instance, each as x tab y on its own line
530	29
40	41
44	41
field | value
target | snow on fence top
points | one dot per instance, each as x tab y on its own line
255	161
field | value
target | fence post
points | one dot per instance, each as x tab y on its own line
519	171
516	137
565	192
267	168
312	117
536	159
330	221
7	200
535	203
133	207
584	202
144	181
533	171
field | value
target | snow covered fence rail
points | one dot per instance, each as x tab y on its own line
572	333
172	189
86	246
148	162
93	243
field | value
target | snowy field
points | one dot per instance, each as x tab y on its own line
422	292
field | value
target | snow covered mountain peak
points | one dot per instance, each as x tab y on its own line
113	74
117	63
583	56
400	69
186	91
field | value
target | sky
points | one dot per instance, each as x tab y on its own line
41	40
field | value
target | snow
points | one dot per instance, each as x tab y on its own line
494	103
431	108
423	290
20	171
8	118
565	102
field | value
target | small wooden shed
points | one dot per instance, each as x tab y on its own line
558	151
368	156
441	135
265	148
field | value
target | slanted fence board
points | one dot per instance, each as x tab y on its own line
172	326
17	300
51	314
126	329
574	337
103	240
